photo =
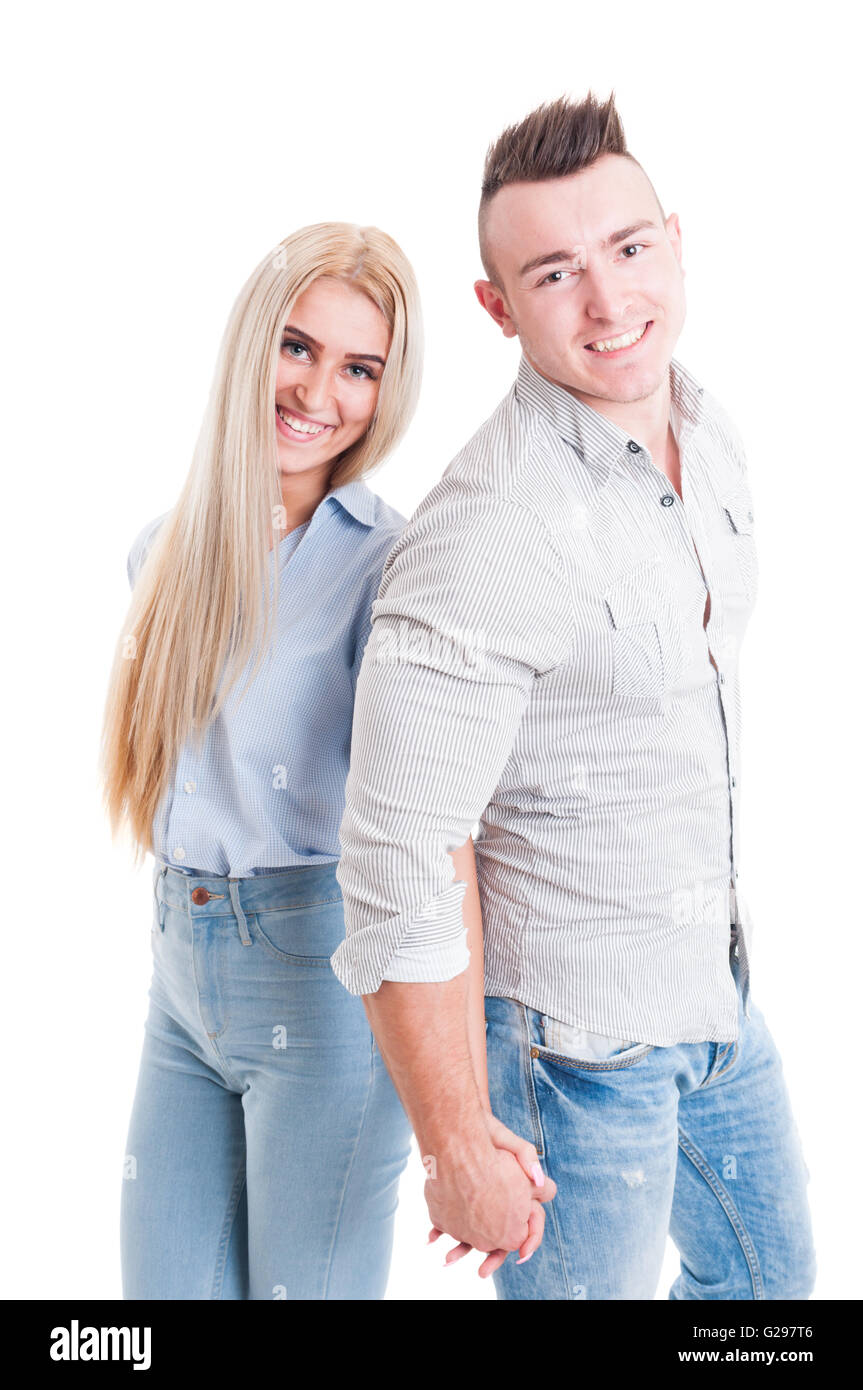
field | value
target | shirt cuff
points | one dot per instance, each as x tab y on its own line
416	964
430	945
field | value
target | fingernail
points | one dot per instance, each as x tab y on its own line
523	1258
539	1178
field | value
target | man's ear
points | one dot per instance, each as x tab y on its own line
672	227
492	300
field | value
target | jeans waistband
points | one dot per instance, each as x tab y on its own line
213	895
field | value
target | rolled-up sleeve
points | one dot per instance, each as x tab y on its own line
471	610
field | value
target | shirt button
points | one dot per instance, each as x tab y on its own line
734	781
633	447
179	852
721	678
188	787
667	500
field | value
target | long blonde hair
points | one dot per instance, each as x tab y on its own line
197	613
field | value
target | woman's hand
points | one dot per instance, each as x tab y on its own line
528	1159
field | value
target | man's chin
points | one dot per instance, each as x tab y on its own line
623	388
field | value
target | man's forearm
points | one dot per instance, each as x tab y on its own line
422	1033
464	860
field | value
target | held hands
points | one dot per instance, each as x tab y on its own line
491	1199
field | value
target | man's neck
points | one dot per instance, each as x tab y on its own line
647	420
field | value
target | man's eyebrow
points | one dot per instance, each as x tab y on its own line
552	257
307	337
627	232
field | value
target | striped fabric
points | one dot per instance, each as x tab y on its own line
267	789
538	670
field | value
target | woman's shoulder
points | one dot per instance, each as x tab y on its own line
380	524
141	545
388	521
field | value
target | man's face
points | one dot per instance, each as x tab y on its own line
570	282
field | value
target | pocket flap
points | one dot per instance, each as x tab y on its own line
738	509
637	596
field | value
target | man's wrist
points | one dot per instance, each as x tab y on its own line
456	1150
456	1136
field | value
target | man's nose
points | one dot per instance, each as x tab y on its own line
606	299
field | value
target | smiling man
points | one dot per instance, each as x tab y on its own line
554	655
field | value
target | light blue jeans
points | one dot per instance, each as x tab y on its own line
266	1140
696	1140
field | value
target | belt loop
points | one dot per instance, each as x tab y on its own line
234	887
160	905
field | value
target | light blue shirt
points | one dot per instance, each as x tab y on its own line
267	789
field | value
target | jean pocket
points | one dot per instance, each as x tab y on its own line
567	1045
306	935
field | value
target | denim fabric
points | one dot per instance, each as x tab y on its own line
266	1140
696	1140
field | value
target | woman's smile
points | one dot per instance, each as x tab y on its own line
299	427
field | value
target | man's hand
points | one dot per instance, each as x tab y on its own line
501	1191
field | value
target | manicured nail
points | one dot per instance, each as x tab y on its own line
539	1178
523	1258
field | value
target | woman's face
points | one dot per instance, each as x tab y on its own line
332	355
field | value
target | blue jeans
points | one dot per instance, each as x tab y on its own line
696	1140
266	1139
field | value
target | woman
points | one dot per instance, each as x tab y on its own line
266	1138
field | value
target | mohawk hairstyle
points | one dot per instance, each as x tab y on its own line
558	138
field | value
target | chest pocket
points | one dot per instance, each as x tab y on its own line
638	606
740	535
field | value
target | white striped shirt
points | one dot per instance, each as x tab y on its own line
539	671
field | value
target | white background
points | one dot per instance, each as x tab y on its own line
152	156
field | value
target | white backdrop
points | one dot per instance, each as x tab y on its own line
153	155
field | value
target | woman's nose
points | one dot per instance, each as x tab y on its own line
314	390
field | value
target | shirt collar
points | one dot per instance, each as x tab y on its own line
357	499
599	441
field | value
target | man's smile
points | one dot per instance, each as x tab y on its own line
620	344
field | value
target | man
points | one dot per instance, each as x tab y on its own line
554	654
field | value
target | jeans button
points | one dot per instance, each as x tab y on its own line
200	896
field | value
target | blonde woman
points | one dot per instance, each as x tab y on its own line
266	1138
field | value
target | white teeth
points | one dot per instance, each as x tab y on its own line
611	344
299	425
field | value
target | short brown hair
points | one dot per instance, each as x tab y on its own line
558	138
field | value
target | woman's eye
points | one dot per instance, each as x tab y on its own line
292	343
356	371
633	246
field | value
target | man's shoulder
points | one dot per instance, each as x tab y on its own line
491	470
722	431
